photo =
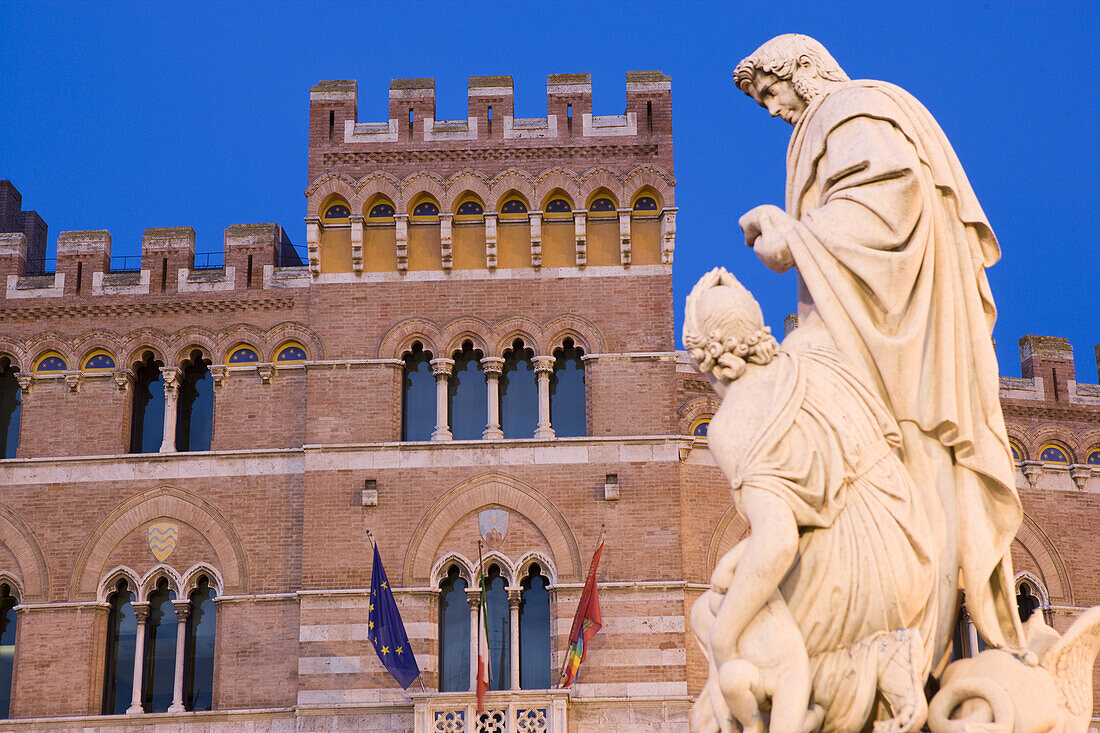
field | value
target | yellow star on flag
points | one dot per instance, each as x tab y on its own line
384	584
399	650
385	650
370	626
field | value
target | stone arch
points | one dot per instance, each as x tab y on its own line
554	178
507	567
419	183
1040	436
467	328
506	331
466	181
1089	440
490	488
599	177
401	336
189	579
694	409
1019	436
1026	576
13	583
291	331
465	568
531	557
731	524
1053	575
134	344
110	581
654	177
241	334
370	186
33	575
186	340
13	350
583	332
155	573
49	341
166	501
509	180
98	338
326	186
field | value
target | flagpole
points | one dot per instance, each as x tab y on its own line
482	611
565	661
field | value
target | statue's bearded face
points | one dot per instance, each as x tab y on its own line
781	97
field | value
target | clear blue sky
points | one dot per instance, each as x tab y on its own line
127	116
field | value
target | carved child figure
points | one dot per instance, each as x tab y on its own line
827	598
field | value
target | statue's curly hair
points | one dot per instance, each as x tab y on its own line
723	327
779	56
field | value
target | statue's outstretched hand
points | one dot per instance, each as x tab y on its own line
765	228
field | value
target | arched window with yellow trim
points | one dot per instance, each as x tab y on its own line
49	363
559	248
1093	458
514	233
468	234
242	355
335	235
645	228
1054	453
700	426
99	360
380	235
603	230
291	352
424	247
1017	452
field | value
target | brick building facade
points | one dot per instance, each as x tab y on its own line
477	344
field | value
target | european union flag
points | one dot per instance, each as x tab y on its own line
386	631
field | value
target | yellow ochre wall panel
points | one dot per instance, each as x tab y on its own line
336	250
514	245
424	251
645	241
468	246
603	242
380	249
559	248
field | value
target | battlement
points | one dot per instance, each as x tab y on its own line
491	137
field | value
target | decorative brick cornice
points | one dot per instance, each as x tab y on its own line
505	156
116	310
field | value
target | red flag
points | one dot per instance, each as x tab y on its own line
585	624
482	648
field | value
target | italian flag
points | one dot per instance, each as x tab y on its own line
482	648
585	624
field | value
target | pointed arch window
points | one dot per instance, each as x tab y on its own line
567	397
160	650
195	410
534	631
519	393
121	638
8	620
11	408
147	416
417	395
198	660
467	395
454	633
499	629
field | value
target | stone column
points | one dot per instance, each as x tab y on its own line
624	237
172	377
580	222
514	597
356	243
183	611
313	244
441	368
493	367
473	595
544	367
141	613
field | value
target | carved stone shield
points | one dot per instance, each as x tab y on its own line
493	524
162	539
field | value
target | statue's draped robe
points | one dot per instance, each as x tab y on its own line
865	564
891	245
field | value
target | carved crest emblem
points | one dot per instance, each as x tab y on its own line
162	539
493	524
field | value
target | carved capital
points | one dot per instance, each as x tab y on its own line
141	612
492	366
183	610
73	379
1031	471
473	596
123	378
266	372
172	378
219	372
442	367
515	595
1080	474
26	380
543	364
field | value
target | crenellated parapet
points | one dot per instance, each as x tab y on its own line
491	138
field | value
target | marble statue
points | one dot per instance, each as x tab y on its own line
868	452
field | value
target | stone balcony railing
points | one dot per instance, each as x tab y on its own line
514	711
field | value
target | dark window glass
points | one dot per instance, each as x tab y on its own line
519	393
11	404
470	208
426	208
160	650
454	634
8	603
121	637
513	206
558	206
534	632
195	409
379	211
337	211
467	395
602	204
198	659
1027	601
500	633
567	392
147	418
418	395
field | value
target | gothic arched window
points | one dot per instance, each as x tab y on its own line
519	393
195	409
467	395
198	660
534	631
417	395
160	650
499	629
8	619
121	637
567	400
147	416
1028	600
454	633
11	402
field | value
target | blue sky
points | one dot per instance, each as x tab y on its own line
124	116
